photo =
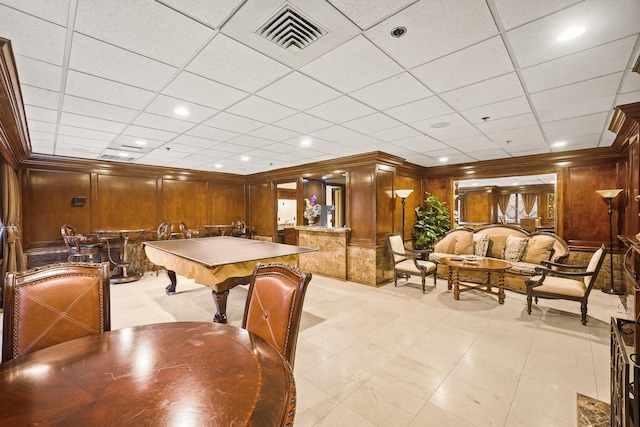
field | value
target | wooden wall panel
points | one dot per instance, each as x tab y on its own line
477	207
184	201
386	205
47	205
125	202
227	203
585	215
315	187
261	208
361	206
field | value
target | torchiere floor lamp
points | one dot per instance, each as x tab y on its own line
609	195
403	194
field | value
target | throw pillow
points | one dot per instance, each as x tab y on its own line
495	249
480	244
538	249
514	248
464	244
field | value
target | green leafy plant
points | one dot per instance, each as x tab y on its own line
433	222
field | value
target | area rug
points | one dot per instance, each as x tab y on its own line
593	412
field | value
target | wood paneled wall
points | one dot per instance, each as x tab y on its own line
385	204
361	205
121	201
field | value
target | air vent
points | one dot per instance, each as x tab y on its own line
291	30
116	157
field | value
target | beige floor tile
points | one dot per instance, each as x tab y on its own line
342	416
432	415
498	380
312	403
337	377
412	376
548	398
524	416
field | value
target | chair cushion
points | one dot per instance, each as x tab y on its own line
522	268
480	244
514	248
464	244
539	248
593	264
562	286
408	265
495	247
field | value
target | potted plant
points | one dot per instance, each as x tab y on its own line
432	223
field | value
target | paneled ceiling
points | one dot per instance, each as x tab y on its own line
470	80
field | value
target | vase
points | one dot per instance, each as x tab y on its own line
311	220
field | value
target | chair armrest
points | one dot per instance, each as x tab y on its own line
550	264
570	274
422	254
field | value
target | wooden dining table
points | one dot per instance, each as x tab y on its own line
166	374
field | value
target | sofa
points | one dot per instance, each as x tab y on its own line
514	244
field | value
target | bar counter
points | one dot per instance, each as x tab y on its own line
330	260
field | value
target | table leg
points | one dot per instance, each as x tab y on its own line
220	299
501	294
171	289
456	283
489	285
449	278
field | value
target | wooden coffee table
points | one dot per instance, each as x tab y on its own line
490	265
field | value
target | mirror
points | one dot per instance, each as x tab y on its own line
527	201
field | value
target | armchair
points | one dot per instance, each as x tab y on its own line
188	233
406	262
573	282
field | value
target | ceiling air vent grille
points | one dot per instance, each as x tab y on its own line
291	30
116	157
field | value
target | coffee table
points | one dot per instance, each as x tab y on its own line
490	265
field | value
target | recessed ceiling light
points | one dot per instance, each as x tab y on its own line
559	144
571	33
121	154
181	111
244	158
324	177
562	163
305	142
141	142
217	166
440	125
398	32
443	159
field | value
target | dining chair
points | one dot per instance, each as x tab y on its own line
406	263
78	247
564	281
274	305
52	304
187	233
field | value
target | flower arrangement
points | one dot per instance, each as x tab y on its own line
311	209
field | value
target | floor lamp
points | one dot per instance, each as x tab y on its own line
609	195
403	194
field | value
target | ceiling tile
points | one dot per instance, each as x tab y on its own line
518	137
303	123
143	26
202	91
82	140
631	83
584	125
513	14
41	114
273	133
421	144
40	97
85	133
143	145
372	123
455	25
249	141
420	110
591	96
209	132
341	110
190	142
451	133
392	92
107	91
604	20
87	107
488	59
260	109
612	57
396	133
489	155
486	92
365	14
202	10
162	123
33	37
298	91
473	144
334	133
498	110
42	136
41	147
507	123
355	64
166	106
628	98
439	123
233	123
86	122
38	73
145	132
100	59
238	69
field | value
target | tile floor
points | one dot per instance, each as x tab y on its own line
397	357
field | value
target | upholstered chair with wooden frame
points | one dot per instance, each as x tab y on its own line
187	233
406	263
165	232
274	305
563	281
49	305
78	247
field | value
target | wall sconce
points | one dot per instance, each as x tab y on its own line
403	194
